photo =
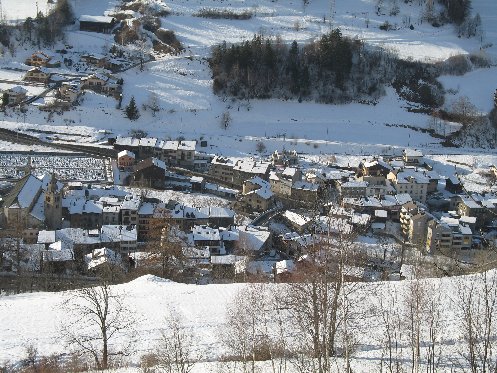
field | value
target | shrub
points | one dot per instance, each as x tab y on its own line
223	13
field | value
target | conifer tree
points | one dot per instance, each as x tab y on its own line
131	110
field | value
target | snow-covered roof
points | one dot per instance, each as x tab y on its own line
24	193
126	153
410	176
412	153
18	90
296	218
204	233
97	19
304	185
148	141
127	141
223	161
251	166
100	256
354	184
254	237
381	213
187	145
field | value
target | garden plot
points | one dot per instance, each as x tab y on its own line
12	166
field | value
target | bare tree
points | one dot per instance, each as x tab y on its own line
477	304
95	317
255	328
226	120
319	300
177	353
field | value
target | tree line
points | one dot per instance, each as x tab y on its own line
331	69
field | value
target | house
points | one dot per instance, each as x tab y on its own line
69	91
186	217
247	168
102	83
125	160
285	158
453	184
414	223
471	206
410	181
412	157
94	59
257	194
14	96
228	266
352	188
282	181
42	59
103	259
102	24
197	184
83	241
38	74
221	168
150	172
151	220
446	235
57	257
299	221
304	192
203	236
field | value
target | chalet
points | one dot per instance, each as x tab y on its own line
14	96
42	59
125	160
102	83
102	24
38	74
150	172
93	59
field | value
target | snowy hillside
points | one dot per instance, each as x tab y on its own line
190	109
36	319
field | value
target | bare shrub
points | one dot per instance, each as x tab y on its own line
217	13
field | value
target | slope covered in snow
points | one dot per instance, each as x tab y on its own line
35	319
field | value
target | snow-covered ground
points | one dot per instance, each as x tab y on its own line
190	109
35	319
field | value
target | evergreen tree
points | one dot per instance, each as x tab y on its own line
131	110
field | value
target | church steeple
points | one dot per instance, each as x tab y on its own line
53	204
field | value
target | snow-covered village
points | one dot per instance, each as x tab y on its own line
237	186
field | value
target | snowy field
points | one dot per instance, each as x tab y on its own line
190	109
35	319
